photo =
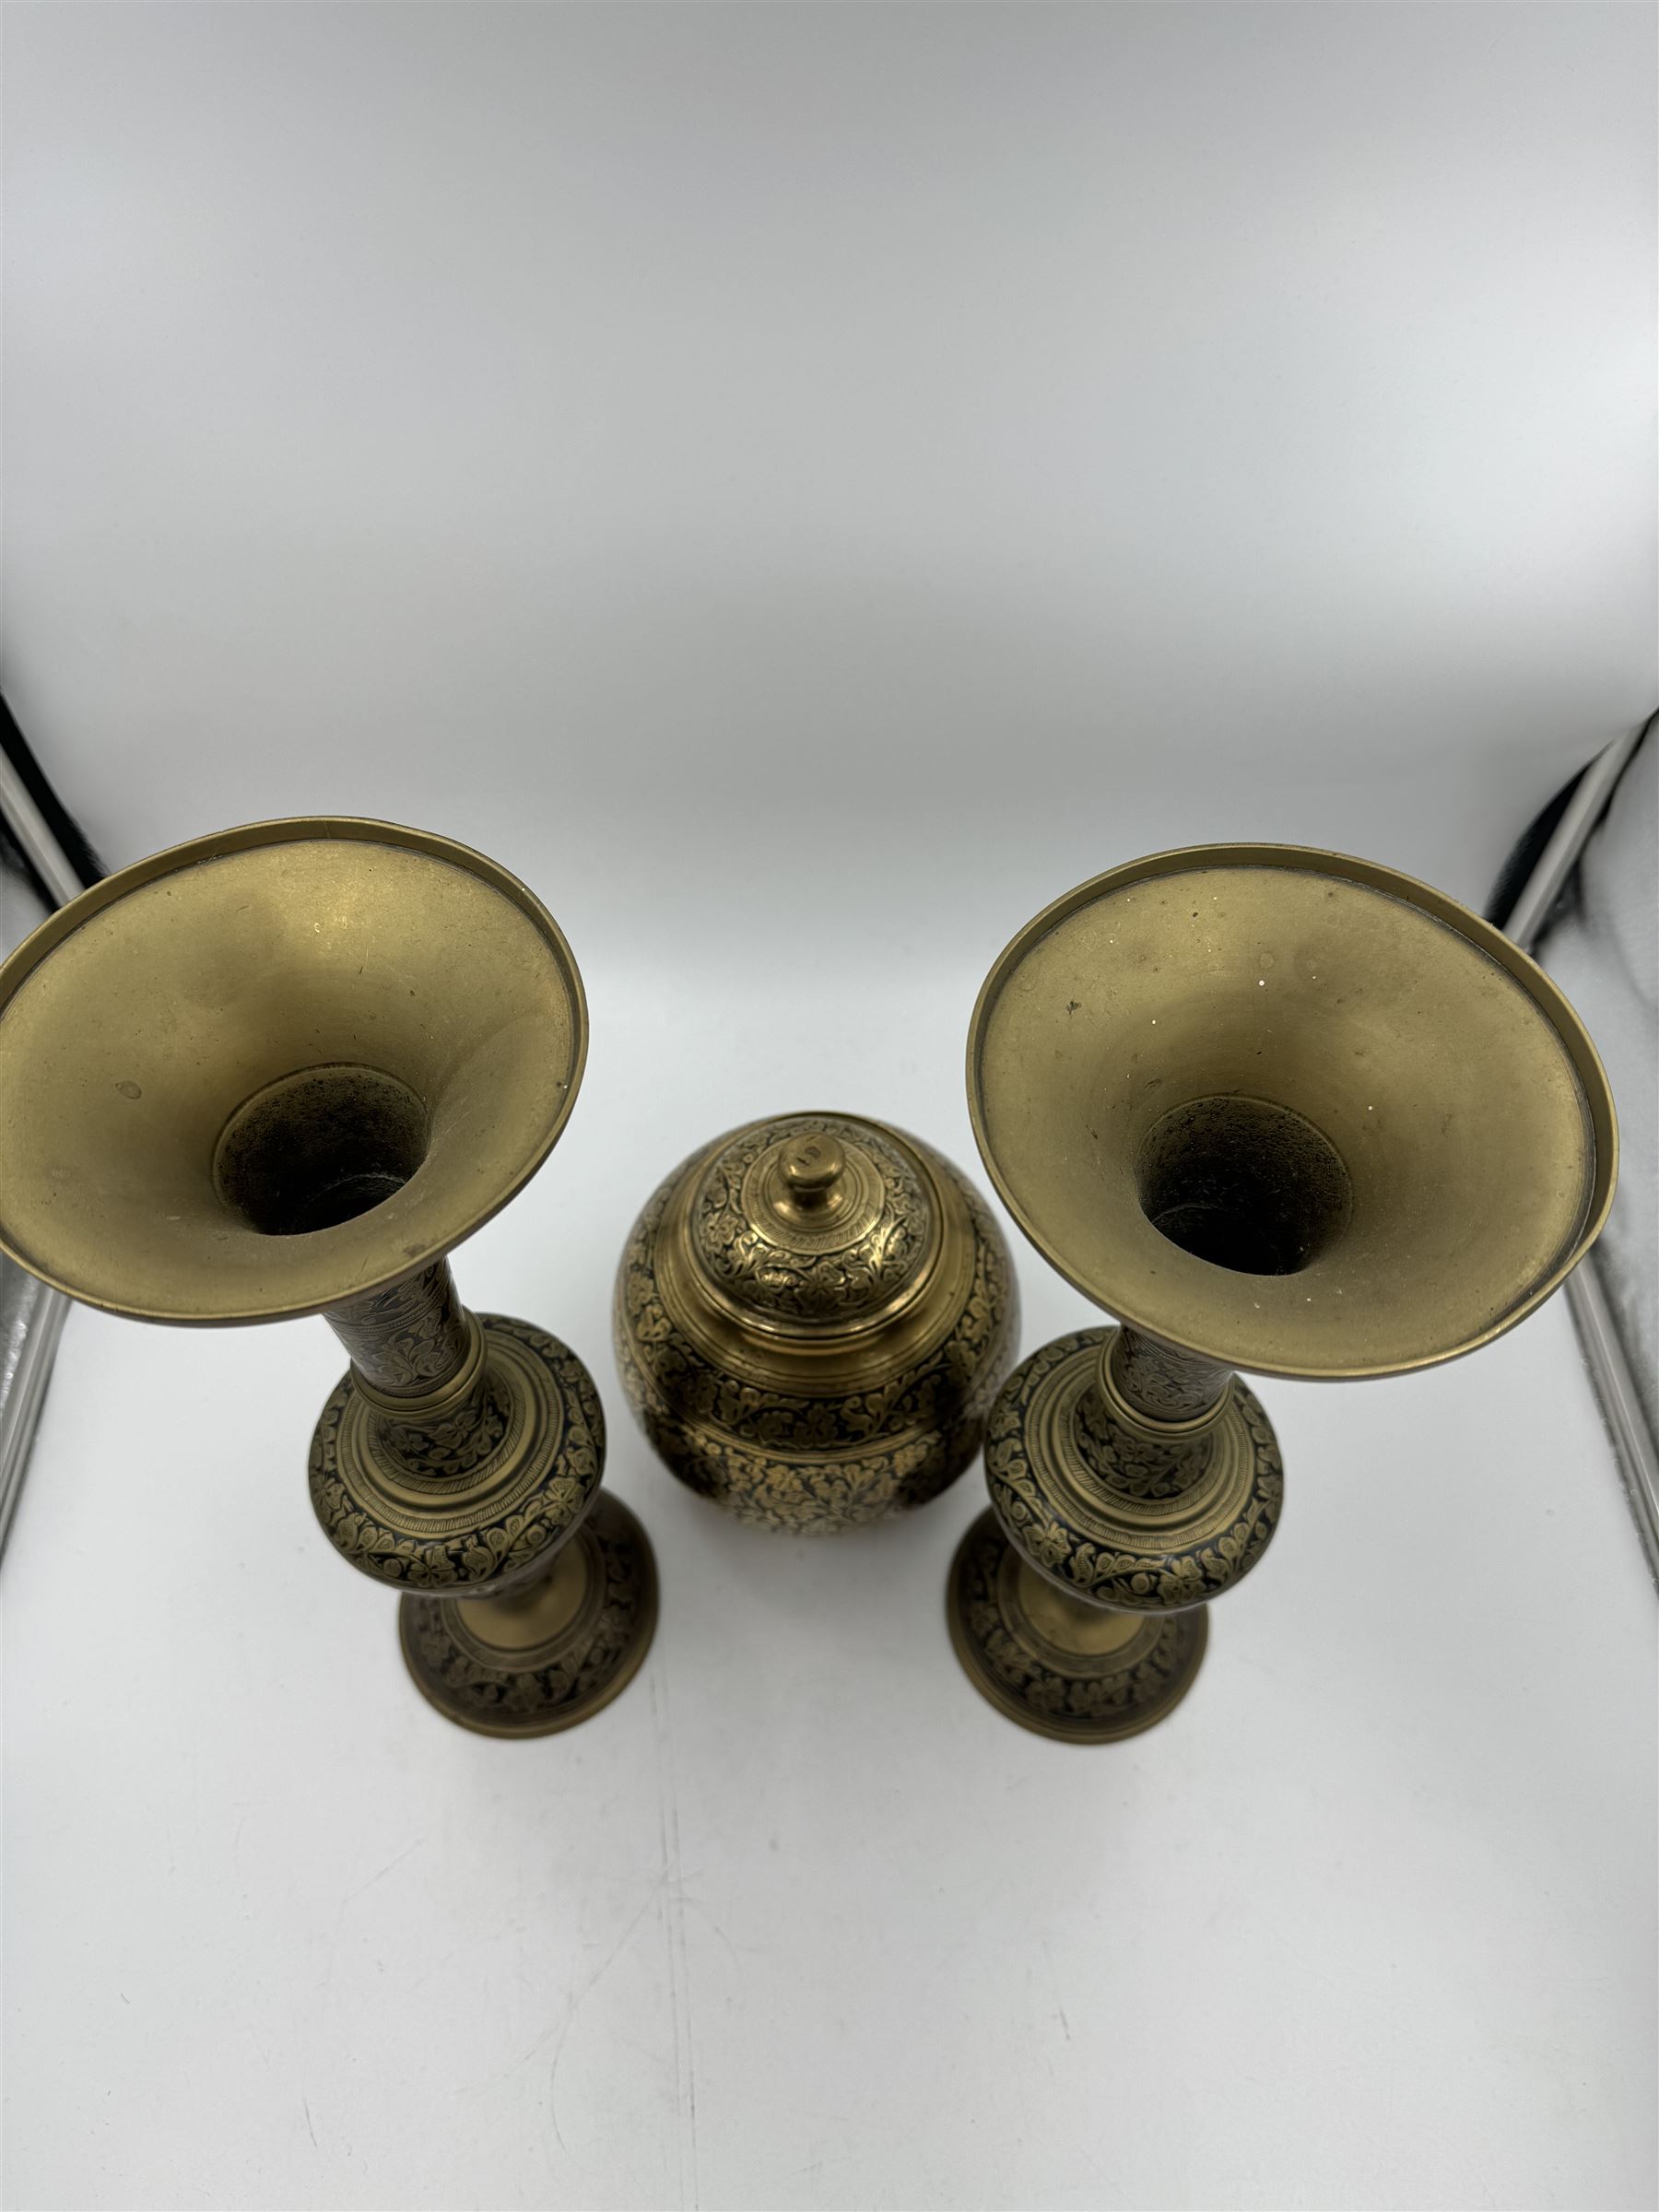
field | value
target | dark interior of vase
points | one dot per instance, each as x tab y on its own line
318	1148
1243	1184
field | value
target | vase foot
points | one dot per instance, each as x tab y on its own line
551	1653
1054	1664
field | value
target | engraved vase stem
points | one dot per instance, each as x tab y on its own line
1165	1386
416	1347
410	1340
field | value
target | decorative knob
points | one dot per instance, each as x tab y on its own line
811	1167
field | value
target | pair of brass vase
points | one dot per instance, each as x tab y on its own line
1277	1110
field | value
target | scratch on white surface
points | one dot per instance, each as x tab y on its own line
575	2006
843	2158
1054	1978
674	1927
310	2128
697	1906
339	1919
386	1870
1394	2076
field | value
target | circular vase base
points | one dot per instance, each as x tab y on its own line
1067	1669
551	1654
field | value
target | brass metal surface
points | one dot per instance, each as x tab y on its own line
1462	1096
812	1315
541	1660
140	1022
471	1488
1120	1509
284	1070
1077	1673
1277	1110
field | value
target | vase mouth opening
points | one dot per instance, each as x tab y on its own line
1243	1184
274	1069
1291	1110
319	1147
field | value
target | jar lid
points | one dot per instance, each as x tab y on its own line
813	1223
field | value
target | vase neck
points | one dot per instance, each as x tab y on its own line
410	1340
1159	1386
419	1360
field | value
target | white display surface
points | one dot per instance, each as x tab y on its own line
805	487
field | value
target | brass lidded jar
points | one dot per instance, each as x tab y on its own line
813	1314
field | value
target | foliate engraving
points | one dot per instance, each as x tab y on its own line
571	1681
408	1340
1116	1537
1094	1703
1132	1462
815	1465
458	1441
1169	1386
423	1525
850	1256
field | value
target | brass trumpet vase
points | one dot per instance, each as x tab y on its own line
1278	1110
285	1071
812	1317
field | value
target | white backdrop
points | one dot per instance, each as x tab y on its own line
805	486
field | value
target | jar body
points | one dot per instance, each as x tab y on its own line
815	1430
